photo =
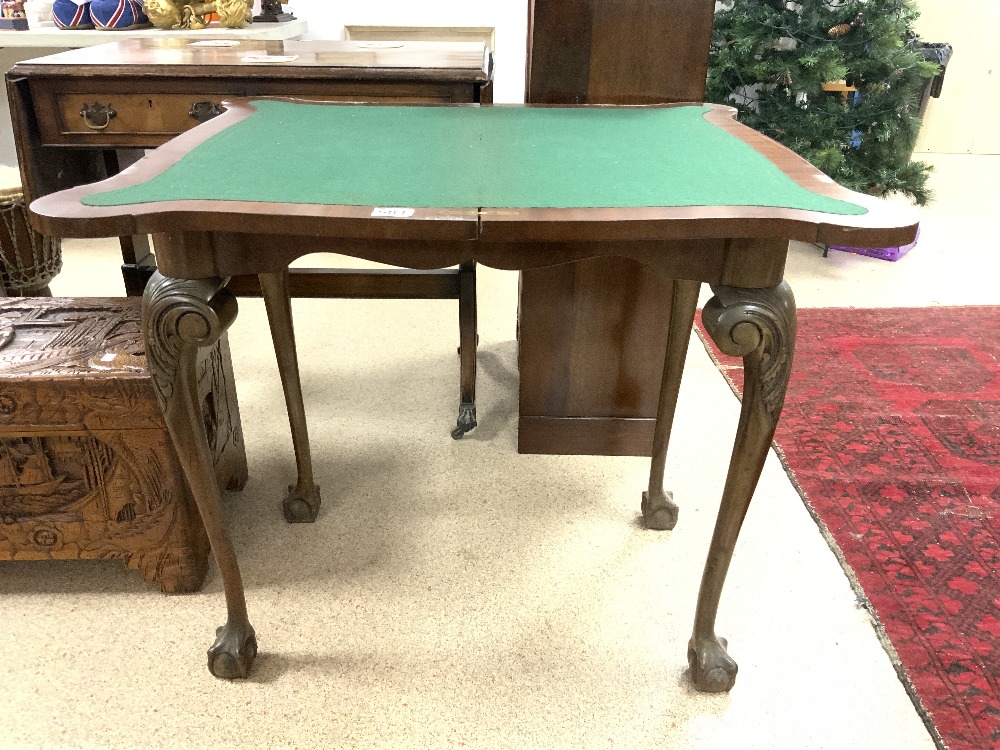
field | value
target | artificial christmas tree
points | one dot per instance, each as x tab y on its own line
837	81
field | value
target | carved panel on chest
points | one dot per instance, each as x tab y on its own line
87	469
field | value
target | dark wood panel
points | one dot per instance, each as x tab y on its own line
592	337
581	436
571	318
558	62
618	51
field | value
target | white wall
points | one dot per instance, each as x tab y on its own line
327	19
964	119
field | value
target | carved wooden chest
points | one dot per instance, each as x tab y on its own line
87	469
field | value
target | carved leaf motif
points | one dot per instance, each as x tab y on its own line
758	325
181	315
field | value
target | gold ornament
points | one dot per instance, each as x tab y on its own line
162	13
170	14
843	29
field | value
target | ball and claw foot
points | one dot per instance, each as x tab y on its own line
238	480
660	513
466	420
712	669
299	506
233	652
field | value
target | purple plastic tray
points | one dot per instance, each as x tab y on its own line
883	253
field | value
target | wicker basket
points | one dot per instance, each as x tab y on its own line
28	261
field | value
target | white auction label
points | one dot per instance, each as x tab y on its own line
215	43
402	213
268	58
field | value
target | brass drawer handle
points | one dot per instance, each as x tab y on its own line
203	111
97	116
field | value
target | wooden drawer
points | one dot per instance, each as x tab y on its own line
159	116
120	115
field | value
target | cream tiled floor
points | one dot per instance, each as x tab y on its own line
459	594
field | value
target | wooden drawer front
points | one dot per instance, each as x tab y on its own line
158	116
147	119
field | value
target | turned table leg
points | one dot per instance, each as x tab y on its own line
759	325
179	318
302	502
658	508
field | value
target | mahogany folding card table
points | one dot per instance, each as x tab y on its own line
682	189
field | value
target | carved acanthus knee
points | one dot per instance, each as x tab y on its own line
179	317
759	325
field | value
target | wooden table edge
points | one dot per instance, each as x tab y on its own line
64	215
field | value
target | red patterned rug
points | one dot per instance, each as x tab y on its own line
891	430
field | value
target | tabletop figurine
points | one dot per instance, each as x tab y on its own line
13	9
171	14
272	12
12	16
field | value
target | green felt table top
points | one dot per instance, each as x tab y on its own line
476	157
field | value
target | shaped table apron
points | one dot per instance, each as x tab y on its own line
741	262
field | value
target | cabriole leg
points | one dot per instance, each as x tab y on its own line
302	502
759	325
468	342
658	508
179	318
